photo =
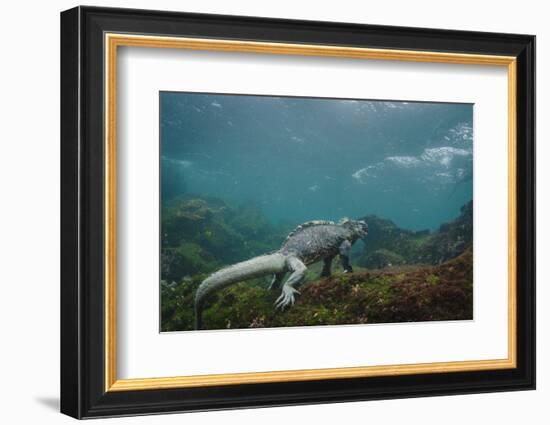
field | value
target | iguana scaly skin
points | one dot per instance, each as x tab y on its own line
308	243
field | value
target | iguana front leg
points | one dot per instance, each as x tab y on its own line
298	269
345	249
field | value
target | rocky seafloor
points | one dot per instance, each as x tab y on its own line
400	275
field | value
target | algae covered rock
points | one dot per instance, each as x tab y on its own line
201	234
383	258
422	293
387	244
450	240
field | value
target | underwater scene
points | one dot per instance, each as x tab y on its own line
293	211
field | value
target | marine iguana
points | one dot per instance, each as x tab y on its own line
308	243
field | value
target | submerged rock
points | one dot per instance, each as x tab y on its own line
420	293
383	258
450	240
201	234
389	244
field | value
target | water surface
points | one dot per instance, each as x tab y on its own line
300	159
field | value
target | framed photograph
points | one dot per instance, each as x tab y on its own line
261	212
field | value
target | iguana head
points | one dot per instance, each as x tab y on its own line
358	228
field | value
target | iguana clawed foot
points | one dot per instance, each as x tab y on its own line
286	298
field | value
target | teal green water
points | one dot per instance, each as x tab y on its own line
300	159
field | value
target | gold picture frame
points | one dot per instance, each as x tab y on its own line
114	41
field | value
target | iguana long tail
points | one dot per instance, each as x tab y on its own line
256	267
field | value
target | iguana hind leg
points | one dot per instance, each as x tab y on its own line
326	267
298	274
276	281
